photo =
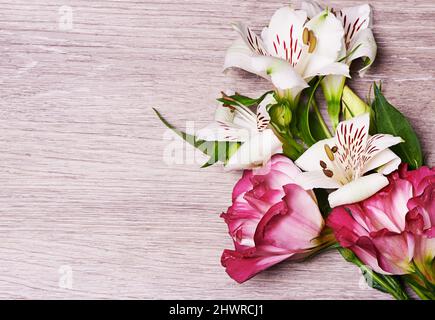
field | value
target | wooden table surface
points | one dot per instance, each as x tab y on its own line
89	208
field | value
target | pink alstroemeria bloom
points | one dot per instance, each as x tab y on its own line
393	231
271	219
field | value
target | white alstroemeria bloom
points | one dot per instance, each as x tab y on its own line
359	42
341	162
291	51
239	124
358	37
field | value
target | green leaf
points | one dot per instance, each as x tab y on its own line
240	99
217	150
291	148
304	124
389	120
316	128
309	121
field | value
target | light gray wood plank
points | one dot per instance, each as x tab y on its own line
83	182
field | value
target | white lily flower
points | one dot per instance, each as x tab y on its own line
291	51
359	42
341	162
239	124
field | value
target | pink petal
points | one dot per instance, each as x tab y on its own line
425	254
262	198
245	265
367	253
420	178
346	229
242	220
388	208
243	185
414	222
350	234
285	165
303	208
425	205
291	224
395	251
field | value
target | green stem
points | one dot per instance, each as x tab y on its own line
311	101
390	286
419	283
398	295
321	120
418	290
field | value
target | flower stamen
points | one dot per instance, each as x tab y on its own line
313	42
328	173
309	39
329	153
306	36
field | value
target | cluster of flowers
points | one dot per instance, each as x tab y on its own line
305	187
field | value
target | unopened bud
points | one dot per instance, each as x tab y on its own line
281	115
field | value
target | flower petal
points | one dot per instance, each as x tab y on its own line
424	255
242	220
224	128
280	163
385	161
251	39
395	251
281	73
242	185
310	159
239	55
363	46
358	190
420	178
351	139
378	143
320	66
350	234
284	36
329	32
354	19
243	266
263	117
256	151
317	179
312	8
291	225
424	204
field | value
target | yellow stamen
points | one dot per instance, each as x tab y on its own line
306	36
313	42
329	152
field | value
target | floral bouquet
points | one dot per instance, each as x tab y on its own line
310	183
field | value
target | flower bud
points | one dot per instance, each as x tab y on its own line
353	105
281	115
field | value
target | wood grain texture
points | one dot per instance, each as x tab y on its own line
83	181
